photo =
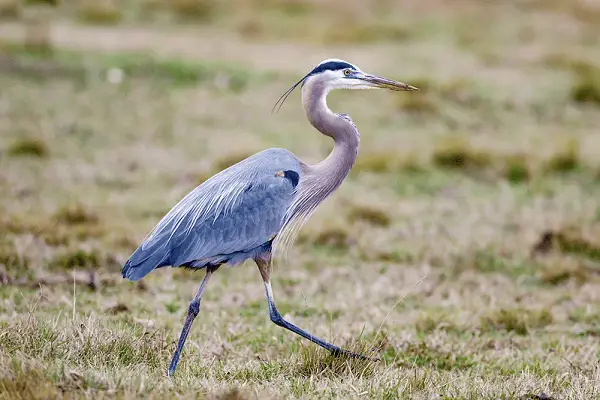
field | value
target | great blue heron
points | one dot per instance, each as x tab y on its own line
244	211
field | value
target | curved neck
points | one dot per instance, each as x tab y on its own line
333	170
318	181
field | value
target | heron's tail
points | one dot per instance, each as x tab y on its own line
145	260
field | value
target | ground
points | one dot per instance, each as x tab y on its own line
463	250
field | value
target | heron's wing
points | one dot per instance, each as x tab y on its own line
236	210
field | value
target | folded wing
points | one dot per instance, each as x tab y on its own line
224	219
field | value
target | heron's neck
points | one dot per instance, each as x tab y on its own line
328	174
320	180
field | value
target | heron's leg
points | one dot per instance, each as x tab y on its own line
193	311
264	265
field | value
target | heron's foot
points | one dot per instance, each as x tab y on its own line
173	365
338	352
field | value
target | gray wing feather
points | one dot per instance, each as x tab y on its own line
236	210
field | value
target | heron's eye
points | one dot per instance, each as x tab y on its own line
347	72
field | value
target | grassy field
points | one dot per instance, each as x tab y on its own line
463	250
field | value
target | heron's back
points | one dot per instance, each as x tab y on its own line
227	219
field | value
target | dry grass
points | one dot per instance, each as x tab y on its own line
463	250
99	12
10	9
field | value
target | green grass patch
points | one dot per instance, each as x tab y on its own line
178	72
571	241
457	152
75	65
370	215
29	383
435	320
173	306
518	320
313	361
193	10
253	309
418	103
336	238
10	9
489	261
51	3
566	159
380	162
376	162
557	271
263	372
587	90
77	259
28	147
366	32
421	102
105	12
396	256
516	169
70	225
11	258
422	354
585	315
76	214
84	343
85	259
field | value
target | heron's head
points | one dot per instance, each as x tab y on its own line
339	74
334	74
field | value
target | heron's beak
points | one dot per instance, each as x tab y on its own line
383	83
